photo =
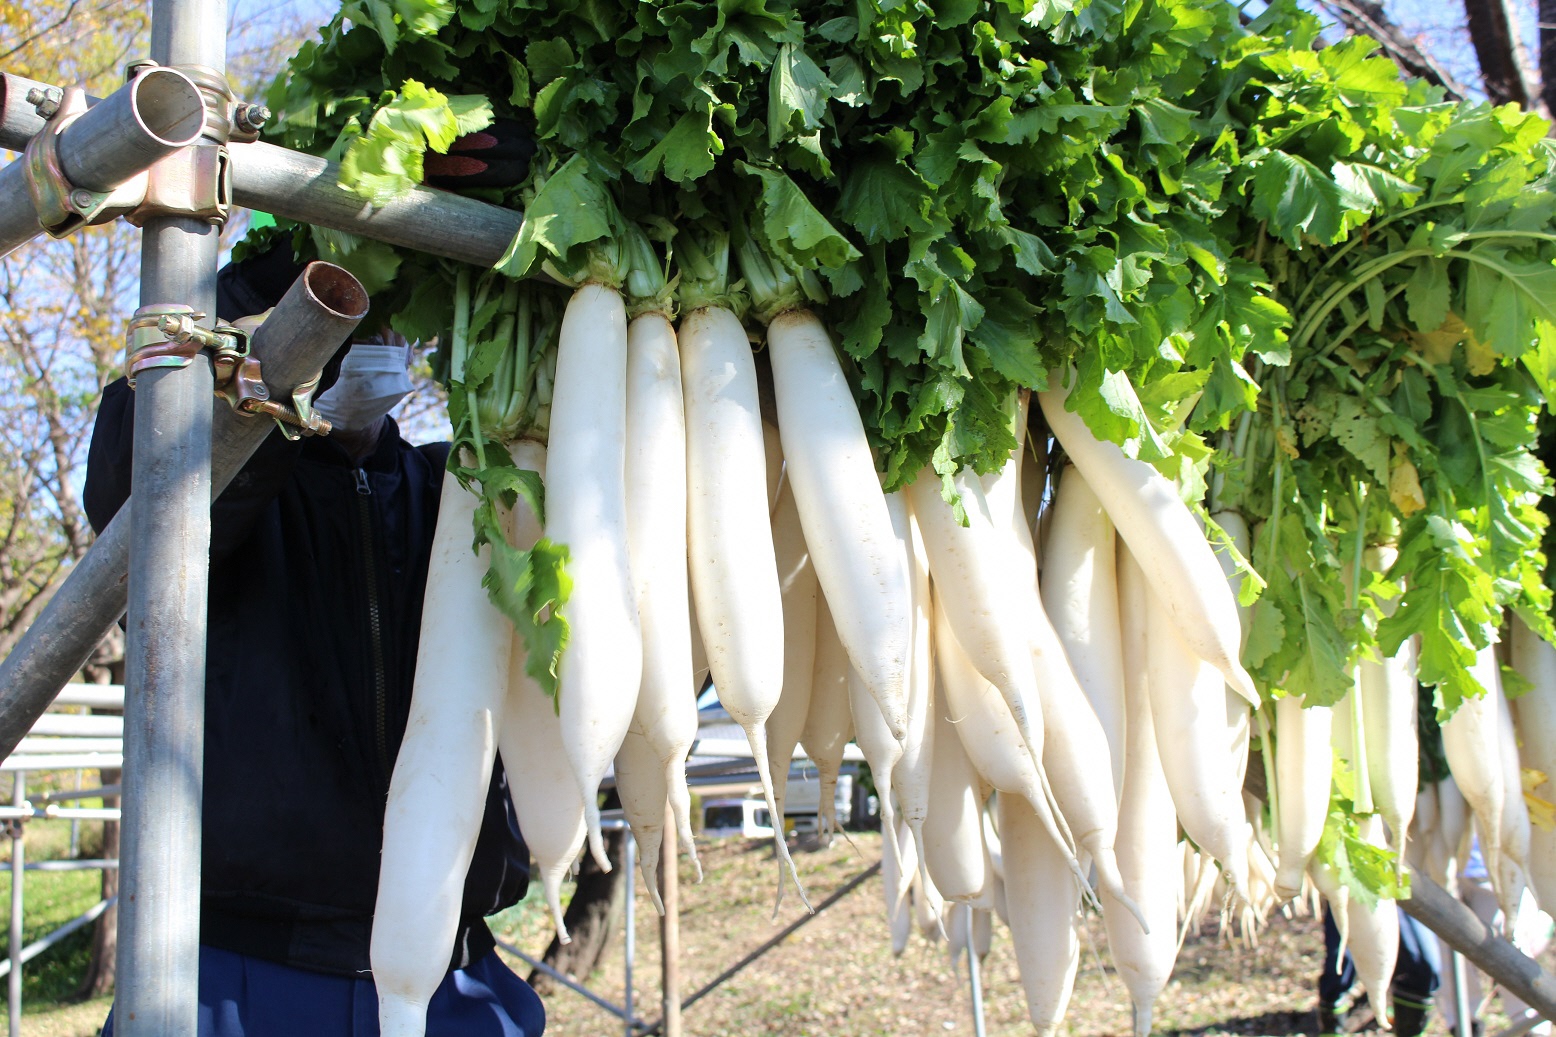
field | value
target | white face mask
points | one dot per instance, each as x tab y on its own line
373	378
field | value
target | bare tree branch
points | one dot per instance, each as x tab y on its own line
1367	18
29	40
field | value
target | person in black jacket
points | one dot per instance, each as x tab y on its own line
319	552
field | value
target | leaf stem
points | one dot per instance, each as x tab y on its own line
1359	763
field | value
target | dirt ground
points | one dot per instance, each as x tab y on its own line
836	976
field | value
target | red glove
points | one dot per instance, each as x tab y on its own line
497	156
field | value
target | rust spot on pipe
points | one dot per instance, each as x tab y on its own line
336	290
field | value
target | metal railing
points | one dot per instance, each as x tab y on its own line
57	737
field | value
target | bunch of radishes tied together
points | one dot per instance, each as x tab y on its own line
1041	665
827	610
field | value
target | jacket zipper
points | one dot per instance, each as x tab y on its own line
374	618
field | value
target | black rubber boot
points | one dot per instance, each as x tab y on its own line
1331	1019
1409	1018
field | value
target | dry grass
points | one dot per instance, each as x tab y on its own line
836	976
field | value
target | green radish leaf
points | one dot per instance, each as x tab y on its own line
686	153
796	230
1297	199
570	213
1006	334
797	96
1322	673
1427	294
1356	429
885	201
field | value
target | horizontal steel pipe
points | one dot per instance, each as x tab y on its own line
19	120
157	113
305	188
318	312
140	123
1462	929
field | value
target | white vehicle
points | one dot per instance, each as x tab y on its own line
748	815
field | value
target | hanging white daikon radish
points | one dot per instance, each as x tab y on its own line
895	888
1147	827
1080	594
438	791
1304	768
831	470
988	734
1075	757
1165	538
1374	935
1472	742
666	713
1189	710
952	835
550	812
829	722
1511	879
586	511
644	794
797	585
1453	834
1534	716
734	573
1044	901
910	778
1389	704
981	595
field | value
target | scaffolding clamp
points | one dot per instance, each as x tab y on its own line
168	335
63	207
150	346
195	181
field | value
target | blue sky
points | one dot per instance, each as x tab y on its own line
1439	24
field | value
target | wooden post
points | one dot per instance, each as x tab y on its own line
1461	929
670	929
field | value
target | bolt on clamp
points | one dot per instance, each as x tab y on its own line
169	335
63	207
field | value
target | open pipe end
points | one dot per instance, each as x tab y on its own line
168	106
335	289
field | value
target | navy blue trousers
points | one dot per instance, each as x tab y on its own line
242	996
1415	976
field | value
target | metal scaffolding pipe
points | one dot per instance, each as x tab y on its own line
157	113
302	187
305	188
158	957
323	307
164	708
19	120
1462	930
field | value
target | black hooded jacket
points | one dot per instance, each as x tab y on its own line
317	573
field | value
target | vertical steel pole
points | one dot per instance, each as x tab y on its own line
159	904
18	863
629	863
670	930
974	977
1465	1023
